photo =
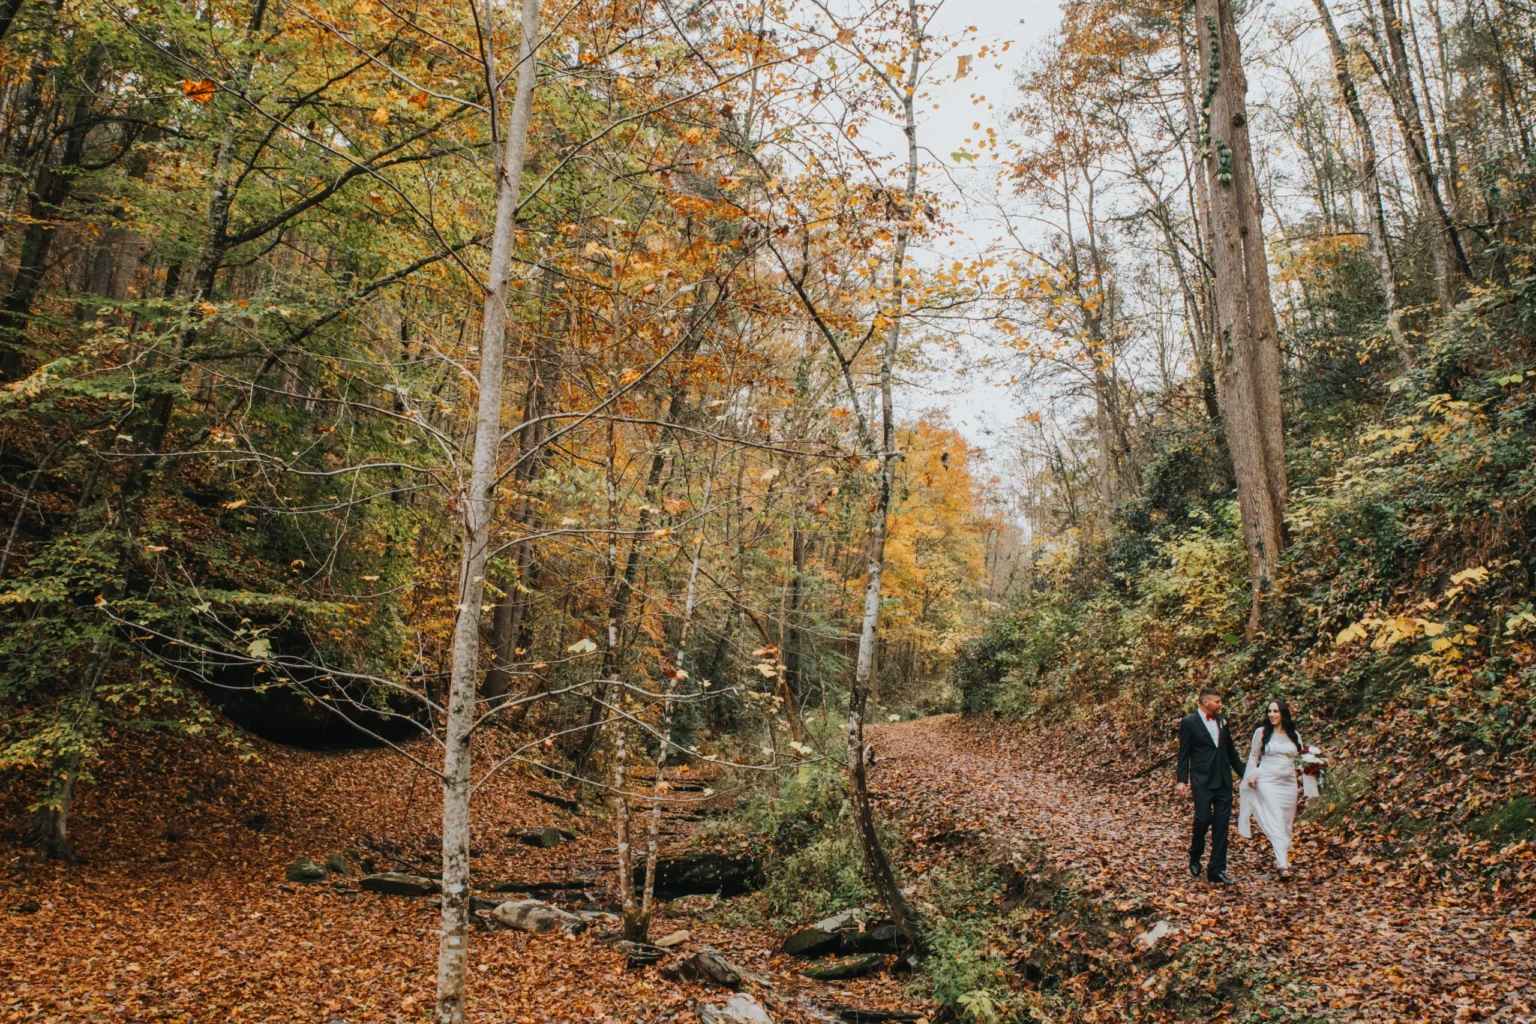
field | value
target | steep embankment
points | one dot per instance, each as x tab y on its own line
1355	937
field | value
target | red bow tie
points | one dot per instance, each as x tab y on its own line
1209	718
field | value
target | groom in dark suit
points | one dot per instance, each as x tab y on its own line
1207	759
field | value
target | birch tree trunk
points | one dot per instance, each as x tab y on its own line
1247	338
875	858
637	925
479	505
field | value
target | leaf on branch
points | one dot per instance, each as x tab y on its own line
583	646
232	505
261	647
964	68
199	89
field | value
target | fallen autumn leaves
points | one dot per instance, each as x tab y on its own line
1354	938
180	912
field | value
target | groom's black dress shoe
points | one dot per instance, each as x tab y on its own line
1194	869
1220	879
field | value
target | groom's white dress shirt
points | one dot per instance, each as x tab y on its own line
1213	728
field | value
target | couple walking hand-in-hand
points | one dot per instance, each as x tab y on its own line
1207	760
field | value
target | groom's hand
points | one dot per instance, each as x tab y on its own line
1182	789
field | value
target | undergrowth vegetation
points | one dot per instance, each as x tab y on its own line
802	826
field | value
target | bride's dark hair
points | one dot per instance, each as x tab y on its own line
1286	722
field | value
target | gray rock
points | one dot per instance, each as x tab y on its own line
305	870
825	936
739	1009
708	967
536	917
885	938
397	883
842	970
546	838
704	873
811	942
544	888
336	864
847	919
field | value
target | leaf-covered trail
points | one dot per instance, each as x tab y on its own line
1364	939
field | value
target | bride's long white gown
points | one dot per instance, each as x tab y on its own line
1274	802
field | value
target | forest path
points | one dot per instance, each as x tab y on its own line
1360	938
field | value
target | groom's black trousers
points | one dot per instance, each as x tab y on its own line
1213	813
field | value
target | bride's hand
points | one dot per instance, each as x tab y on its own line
1253	783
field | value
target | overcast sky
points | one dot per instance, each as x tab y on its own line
980	409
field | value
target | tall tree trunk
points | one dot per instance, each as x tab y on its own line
210	260
509	619
479	503
1447	257
52	188
1202	307
794	670
875	858
637	924
50	827
1104	430
1370	182
1248	346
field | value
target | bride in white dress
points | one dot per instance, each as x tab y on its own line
1269	784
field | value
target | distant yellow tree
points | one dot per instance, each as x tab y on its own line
936	555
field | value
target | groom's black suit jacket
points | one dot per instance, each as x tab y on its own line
1205	765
